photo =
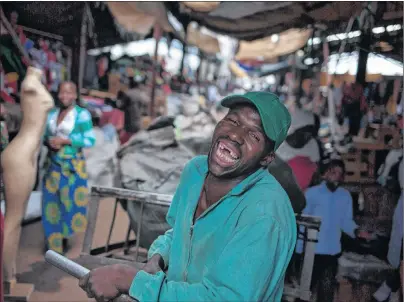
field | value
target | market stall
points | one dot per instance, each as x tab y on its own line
45	36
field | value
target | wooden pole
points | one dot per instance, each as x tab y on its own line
364	45
366	25
69	52
14	35
330	98
157	36
184	53
199	71
42	33
291	84
83	48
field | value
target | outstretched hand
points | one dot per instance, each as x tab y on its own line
108	282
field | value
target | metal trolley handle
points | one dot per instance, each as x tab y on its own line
76	270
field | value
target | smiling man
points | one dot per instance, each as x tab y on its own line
233	228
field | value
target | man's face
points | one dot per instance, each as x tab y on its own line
238	144
333	177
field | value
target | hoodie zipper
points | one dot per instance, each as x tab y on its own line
191	232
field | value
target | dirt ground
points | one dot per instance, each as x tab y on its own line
53	285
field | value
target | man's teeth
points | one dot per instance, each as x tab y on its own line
226	154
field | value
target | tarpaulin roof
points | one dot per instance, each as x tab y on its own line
204	42
64	18
254	20
267	49
140	16
129	17
202	6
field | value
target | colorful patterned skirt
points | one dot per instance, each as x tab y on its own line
64	201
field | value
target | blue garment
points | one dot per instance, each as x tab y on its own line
237	250
64	201
76	126
396	237
335	210
110	133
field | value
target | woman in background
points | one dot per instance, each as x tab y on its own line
69	129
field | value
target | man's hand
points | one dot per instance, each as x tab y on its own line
57	143
154	265
108	282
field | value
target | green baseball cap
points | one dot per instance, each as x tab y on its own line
275	117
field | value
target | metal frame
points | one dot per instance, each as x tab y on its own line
120	194
310	223
312	227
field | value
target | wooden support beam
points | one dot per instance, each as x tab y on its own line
157	36
366	22
184	53
13	34
364	45
83	47
42	33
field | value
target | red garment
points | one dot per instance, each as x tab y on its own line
115	117
124	136
354	93
167	89
303	169
6	97
51	56
50	77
